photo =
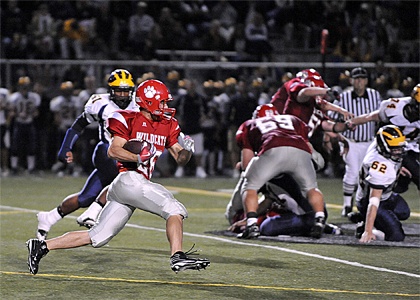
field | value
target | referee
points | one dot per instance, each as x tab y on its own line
358	100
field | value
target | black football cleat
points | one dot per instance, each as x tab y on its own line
318	228
37	250
251	232
180	262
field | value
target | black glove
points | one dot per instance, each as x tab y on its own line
332	95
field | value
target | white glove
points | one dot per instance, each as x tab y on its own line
188	142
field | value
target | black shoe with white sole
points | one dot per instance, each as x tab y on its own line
37	250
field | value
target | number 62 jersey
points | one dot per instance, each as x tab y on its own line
377	172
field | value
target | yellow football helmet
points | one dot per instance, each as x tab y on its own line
119	81
391	142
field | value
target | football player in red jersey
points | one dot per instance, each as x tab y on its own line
132	188
302	94
280	97
276	139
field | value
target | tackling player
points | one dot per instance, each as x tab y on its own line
132	188
276	138
98	108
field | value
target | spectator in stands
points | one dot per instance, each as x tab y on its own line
73	37
140	24
256	39
196	18
337	24
364	34
280	15
227	16
17	47
174	36
213	40
43	29
24	106
12	22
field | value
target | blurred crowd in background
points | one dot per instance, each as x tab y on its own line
259	31
94	29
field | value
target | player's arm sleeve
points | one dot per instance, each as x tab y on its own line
117	125
71	137
173	134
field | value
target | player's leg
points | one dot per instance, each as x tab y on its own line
89	217
235	206
286	224
353	160
71	203
157	200
259	171
388	222
112	221
106	173
46	219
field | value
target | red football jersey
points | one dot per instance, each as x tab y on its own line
134	125
280	97
303	110
262	134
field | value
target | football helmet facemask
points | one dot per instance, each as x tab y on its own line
153	95
412	111
121	80
391	142
264	110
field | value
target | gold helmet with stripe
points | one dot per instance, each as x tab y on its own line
391	142
412	110
121	81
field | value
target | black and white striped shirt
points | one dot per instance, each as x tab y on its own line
357	105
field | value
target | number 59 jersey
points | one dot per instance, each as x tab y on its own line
377	172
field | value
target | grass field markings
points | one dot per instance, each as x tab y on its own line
228	195
235	242
9	212
256	287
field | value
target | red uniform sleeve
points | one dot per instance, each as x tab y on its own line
295	88
242	136
173	133
118	123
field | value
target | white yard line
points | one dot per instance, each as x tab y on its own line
250	244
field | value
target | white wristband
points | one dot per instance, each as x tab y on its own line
374	201
139	159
